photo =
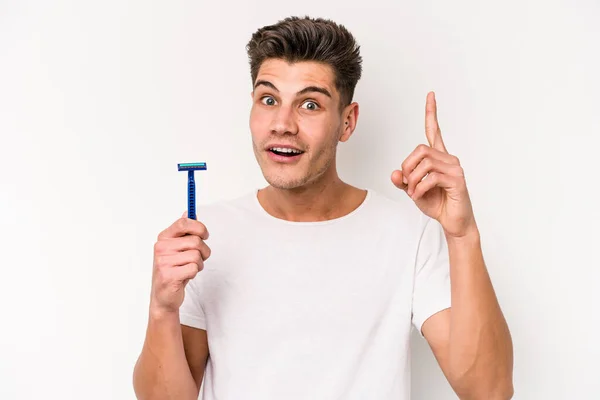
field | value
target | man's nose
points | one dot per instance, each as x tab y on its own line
284	121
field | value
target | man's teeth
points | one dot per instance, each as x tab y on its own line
282	150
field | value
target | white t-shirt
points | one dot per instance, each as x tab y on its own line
315	310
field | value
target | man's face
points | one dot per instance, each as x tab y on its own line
296	122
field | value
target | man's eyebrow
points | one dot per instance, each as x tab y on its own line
265	83
314	89
307	89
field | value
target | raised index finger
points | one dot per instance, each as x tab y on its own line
432	128
185	226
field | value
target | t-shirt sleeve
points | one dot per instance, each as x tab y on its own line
191	312
431	292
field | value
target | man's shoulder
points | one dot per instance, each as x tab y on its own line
230	207
397	211
392	206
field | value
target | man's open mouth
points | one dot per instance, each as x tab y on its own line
285	152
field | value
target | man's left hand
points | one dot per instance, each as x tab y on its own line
435	181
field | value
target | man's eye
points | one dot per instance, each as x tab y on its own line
310	105
268	100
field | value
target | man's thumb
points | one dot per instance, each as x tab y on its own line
397	180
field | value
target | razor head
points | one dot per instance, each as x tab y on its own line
199	166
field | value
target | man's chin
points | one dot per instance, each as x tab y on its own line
284	185
284	182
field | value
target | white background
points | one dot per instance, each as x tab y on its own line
100	100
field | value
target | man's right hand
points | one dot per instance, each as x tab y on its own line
179	254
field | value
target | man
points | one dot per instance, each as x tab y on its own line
312	285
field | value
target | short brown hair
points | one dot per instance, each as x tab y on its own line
310	39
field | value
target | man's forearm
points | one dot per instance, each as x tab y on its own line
162	371
481	354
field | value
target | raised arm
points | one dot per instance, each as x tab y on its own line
471	339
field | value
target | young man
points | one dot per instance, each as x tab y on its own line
313	285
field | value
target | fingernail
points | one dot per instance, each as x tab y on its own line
404	180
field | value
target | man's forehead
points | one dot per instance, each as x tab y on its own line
297	75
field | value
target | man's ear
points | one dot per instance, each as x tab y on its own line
350	120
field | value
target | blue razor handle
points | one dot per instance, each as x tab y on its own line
191	191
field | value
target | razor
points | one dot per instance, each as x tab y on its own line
191	187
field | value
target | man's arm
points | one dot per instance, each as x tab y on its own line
171	364
471	340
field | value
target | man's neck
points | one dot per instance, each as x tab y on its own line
319	202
